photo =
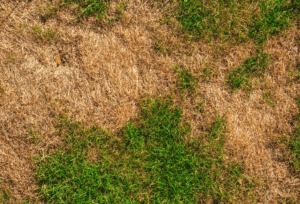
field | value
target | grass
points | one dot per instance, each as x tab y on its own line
46	36
151	159
240	77
151	162
293	143
10	57
185	81
2	90
4	195
88	8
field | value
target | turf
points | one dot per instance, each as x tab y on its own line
151	159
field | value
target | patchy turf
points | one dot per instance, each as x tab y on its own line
194	60
151	162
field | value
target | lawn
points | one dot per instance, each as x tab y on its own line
154	133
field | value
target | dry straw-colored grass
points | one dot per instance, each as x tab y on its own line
99	72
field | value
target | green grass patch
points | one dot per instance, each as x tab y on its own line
45	36
275	17
232	20
87	8
253	67
185	80
147	161
90	7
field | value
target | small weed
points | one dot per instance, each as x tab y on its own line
47	36
297	117
91	7
48	11
290	75
121	7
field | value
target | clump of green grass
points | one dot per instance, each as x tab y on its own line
88	8
253	67
185	80
233	20
46	36
147	161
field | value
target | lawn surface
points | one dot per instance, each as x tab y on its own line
185	101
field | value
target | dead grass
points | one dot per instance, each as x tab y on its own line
99	72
